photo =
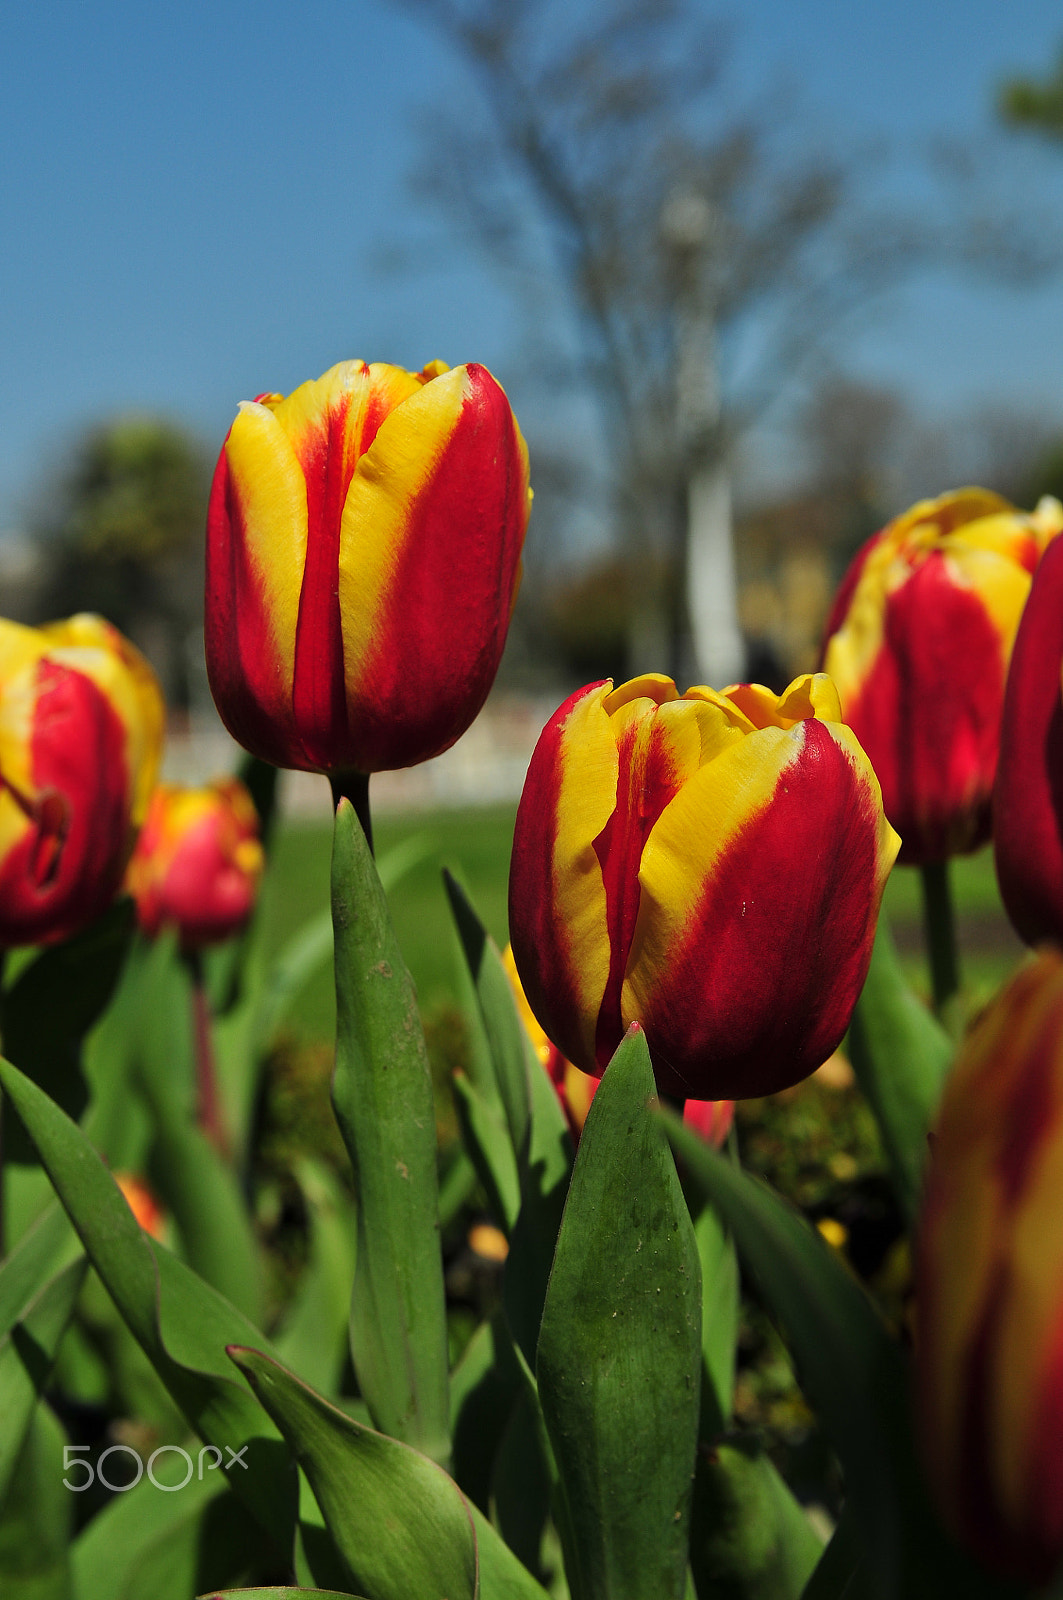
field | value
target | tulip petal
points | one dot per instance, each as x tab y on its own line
559	940
760	888
428	565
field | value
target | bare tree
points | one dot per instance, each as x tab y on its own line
666	237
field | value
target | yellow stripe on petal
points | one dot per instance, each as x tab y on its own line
377	515
691	834
270	491
589	769
1000	584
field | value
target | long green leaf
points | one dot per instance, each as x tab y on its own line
36	1523
619	1354
182	1325
438	1546
27	1352
382	1094
719	1321
486	1139
45	1247
277	1594
901	1055
313	1339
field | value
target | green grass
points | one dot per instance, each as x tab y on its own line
475	844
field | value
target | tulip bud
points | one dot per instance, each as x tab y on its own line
989	1341
709	865
363	557
1028	798
81	726
918	642
197	863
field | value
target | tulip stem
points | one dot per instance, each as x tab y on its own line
354	786
940	924
208	1108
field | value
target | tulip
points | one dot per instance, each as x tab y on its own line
990	1283
197	863
918	643
1028	799
81	726
709	865
363	556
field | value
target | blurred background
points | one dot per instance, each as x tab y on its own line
754	276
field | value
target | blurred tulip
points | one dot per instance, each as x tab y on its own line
142	1203
81	727
363	557
709	865
1028	799
918	642
197	863
990	1283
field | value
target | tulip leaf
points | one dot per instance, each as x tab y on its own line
750	1539
36	1523
487	1143
313	1338
181	1324
44	1038
719	1321
439	1546
619	1350
838	1574
901	1055
277	1594
545	1165
50	1243
382	1094
852	1373
507	1039
484	1387
27	1352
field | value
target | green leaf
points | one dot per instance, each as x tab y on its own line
484	1387
44	1038
507	1038
182	1325
382	1094
750	1539
313	1339
486	1139
901	1056
538	1132
27	1352
853	1375
719	1321
619	1352
278	1594
437	1545
36	1523
45	1247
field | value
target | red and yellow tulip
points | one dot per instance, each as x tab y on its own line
709	865
990	1283
197	863
918	643
1028	798
363	556
81	727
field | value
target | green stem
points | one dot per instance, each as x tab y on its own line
354	786
208	1110
940	925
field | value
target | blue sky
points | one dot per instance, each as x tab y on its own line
198	200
